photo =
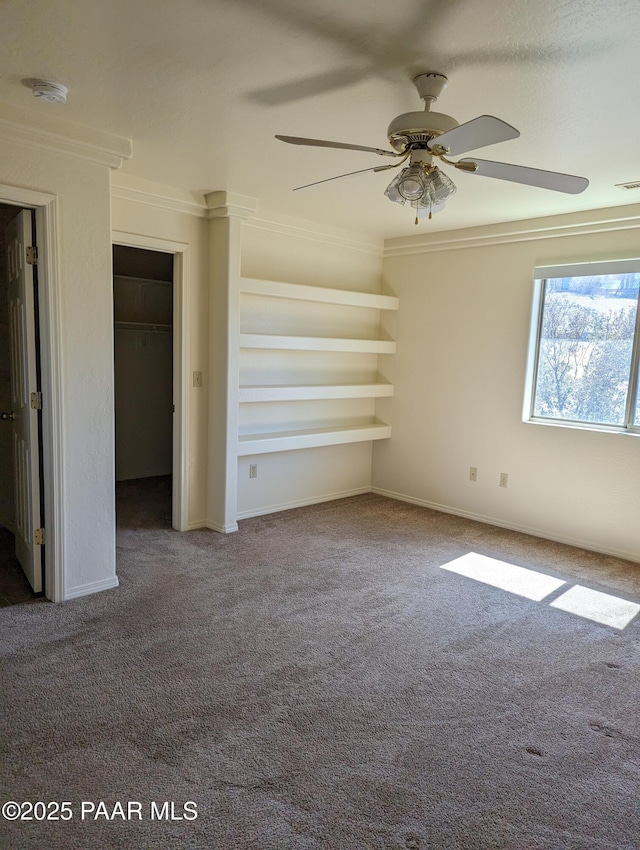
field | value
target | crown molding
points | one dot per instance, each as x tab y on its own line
223	204
312	233
45	132
584	223
229	204
160	201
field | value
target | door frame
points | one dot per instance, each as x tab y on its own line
180	454
53	426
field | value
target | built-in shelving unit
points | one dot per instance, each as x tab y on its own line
293	392
317	343
327	387
319	294
256	444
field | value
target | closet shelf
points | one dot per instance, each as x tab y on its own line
311	343
148	327
283	392
324	295
282	441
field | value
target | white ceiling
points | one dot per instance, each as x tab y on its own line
202	86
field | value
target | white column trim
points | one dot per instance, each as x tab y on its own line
230	205
226	275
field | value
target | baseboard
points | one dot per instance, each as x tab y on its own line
523	529
303	503
222	529
196	523
88	589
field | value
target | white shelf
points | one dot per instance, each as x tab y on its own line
147	327
312	392
152	281
311	296
315	343
282	441
324	295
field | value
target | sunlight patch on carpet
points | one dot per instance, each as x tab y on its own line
520	580
600	607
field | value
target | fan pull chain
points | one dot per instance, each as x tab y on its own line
416	221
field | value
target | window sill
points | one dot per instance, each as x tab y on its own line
584	426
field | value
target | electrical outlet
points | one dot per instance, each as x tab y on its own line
473	473
253	470
504	479
197	379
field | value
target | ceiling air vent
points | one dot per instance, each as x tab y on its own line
634	184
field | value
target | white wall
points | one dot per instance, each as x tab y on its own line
462	331
277	249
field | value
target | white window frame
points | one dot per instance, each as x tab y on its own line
541	275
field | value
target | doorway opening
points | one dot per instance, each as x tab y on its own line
22	560
143	300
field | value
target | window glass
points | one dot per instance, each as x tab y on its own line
585	348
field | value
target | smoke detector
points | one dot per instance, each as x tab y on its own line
51	92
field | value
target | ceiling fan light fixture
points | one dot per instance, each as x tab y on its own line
441	187
412	182
424	187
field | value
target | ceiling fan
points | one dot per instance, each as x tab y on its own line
419	138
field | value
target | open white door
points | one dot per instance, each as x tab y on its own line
24	399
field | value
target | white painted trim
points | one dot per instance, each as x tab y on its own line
227	210
586	223
34	130
181	315
163	202
220	528
257	221
54	465
532	351
53	426
301	503
196	524
92	587
222	204
511	526
603	267
311	234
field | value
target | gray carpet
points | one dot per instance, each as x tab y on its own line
316	681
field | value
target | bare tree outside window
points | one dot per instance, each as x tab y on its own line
586	352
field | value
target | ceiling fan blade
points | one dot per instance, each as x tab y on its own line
477	133
320	143
348	174
530	176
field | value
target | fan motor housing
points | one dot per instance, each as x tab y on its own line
418	128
